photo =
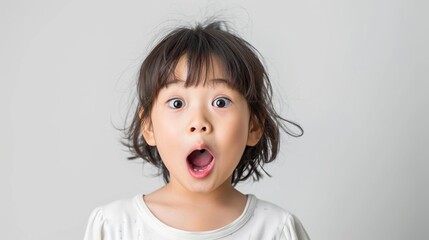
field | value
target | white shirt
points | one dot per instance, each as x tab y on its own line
131	219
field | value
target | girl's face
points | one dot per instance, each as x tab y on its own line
200	131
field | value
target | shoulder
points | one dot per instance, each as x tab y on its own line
111	216
274	216
265	208
122	207
117	211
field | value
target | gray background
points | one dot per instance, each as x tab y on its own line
353	73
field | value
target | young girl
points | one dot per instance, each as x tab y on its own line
206	120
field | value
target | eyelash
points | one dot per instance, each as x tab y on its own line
172	102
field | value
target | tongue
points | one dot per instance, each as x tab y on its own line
200	158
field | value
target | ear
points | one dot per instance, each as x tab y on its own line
147	130
255	132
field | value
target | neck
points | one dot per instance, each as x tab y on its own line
184	209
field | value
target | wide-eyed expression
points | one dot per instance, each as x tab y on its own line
200	131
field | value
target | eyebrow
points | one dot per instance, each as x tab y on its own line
211	82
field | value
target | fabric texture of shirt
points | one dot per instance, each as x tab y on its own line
131	219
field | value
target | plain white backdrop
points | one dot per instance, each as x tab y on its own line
354	74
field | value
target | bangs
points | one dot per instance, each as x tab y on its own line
201	46
199	69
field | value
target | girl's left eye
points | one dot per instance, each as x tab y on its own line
221	102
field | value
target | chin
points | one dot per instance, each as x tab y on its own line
202	188
207	186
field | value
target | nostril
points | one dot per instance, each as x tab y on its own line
194	129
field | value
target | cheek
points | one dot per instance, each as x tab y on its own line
234	132
232	140
162	129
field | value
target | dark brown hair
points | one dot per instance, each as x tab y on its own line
247	74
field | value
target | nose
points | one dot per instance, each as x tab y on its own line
199	124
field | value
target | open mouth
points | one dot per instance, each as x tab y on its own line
200	162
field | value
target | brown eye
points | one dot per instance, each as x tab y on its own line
221	102
176	103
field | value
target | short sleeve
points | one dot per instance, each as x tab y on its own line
293	229
94	229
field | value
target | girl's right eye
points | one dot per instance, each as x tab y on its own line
176	103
